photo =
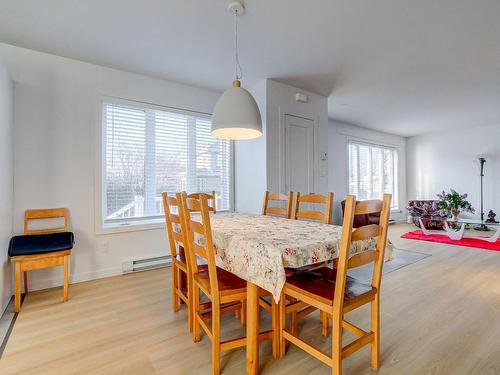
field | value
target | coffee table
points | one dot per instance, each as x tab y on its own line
457	235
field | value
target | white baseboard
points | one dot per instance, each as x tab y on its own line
55	281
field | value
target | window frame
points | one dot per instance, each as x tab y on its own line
146	222
396	149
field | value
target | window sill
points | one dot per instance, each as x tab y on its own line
134	226
131	226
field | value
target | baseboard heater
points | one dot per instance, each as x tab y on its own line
144	264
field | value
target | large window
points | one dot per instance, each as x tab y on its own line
373	171
147	151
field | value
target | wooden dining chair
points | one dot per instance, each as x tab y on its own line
211	198
41	248
182	274
177	239
285	212
334	293
323	216
224	289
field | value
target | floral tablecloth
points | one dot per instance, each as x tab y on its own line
257	248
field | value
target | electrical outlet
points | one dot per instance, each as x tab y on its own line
105	247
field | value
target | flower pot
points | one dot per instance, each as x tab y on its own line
454	213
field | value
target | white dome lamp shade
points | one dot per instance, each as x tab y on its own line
236	114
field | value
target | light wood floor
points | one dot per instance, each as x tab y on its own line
440	315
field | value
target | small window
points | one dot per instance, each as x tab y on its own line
373	171
147	151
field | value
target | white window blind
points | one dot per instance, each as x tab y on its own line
373	171
148	151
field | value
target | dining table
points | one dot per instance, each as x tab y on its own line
260	248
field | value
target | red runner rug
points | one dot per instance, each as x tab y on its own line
469	242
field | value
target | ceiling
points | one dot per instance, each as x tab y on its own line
401	66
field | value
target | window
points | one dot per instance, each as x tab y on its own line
373	171
147	151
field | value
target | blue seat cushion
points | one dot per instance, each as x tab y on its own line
31	244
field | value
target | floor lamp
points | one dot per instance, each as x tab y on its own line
482	226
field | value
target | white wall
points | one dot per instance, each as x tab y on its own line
444	160
6	184
338	137
260	163
57	115
250	161
280	102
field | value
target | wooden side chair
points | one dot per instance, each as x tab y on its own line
40	248
224	289
182	284
325	216
176	238
211	198
334	293
278	211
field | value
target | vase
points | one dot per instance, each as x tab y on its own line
454	213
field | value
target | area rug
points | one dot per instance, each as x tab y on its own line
468	242
403	258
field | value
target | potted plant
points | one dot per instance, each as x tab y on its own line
454	203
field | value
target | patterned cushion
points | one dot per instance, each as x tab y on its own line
426	209
31	244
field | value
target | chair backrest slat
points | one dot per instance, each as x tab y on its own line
323	216
286	212
368	207
360	259
210	197
46	213
200	251
174	218
365	232
197	227
178	237
277	211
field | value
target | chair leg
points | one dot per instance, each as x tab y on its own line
293	319
337	345
190	303
243	312
325	323
375	328
215	338
275	311
175	286
25	274
196	311
282	324
66	276
17	286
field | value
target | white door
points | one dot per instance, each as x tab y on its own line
299	154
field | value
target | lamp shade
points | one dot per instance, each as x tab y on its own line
236	115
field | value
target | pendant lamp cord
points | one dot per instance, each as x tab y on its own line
238	71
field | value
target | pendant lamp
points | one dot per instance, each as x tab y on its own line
236	114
